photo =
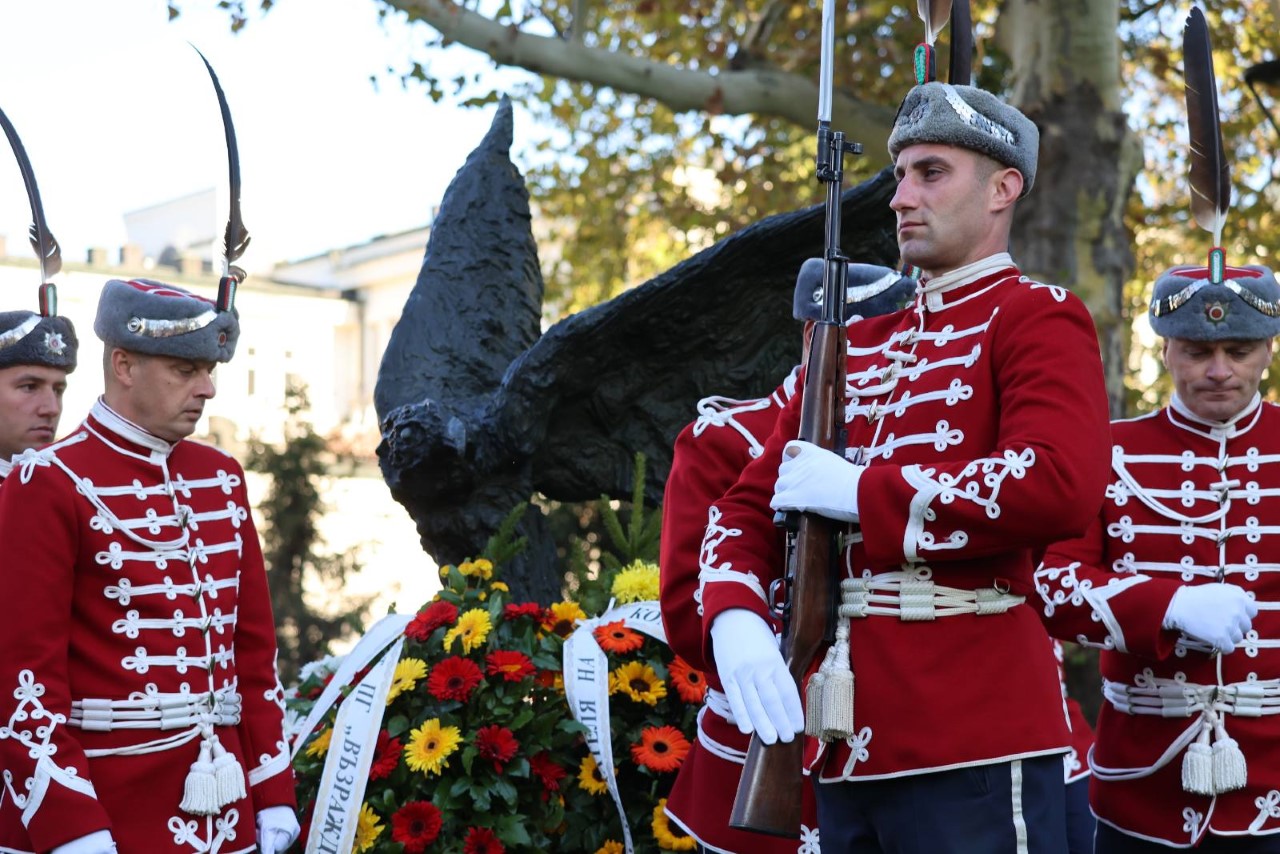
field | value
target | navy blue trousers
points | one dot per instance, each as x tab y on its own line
1006	808
1112	841
1080	821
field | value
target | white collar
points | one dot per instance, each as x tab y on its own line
933	290
127	430
1233	426
966	274
789	384
6	466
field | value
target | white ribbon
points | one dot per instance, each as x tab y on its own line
586	686
351	749
381	635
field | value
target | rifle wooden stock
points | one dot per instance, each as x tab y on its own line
769	793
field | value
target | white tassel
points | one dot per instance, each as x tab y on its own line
228	774
1229	769
1197	765
813	704
200	792
836	718
837	703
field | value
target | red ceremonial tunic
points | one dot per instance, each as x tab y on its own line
1189	503
982	416
137	629
709	455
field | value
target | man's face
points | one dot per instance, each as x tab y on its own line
30	405
166	395
943	203
1216	379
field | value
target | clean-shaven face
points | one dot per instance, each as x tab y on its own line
1216	379
943	207
30	406
167	395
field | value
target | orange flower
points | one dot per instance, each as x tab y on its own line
661	748
690	684
617	638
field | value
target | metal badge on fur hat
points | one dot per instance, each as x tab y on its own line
27	338
967	117
1188	304
152	317
870	291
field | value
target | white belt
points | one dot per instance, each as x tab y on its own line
1171	698
910	599
1213	763
164	712
215	779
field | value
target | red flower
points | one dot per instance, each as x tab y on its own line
510	664
661	748
430	618
386	756
690	684
415	826
617	638
480	840
524	609
547	771
497	744
454	678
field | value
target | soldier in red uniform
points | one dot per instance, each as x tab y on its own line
709	455
975	423
1177	582
139	704
36	354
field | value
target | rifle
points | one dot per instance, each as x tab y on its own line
805	598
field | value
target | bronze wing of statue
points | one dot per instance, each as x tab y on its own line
480	409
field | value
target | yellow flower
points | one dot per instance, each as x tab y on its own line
480	568
408	672
473	627
499	585
637	583
368	829
669	838
590	778
444	571
320	746
638	681
610	847
430	745
561	617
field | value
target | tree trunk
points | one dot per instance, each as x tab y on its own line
1070	230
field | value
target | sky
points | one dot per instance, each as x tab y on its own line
117	113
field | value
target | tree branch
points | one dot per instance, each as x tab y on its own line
762	91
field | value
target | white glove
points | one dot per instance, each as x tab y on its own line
1218	614
816	480
277	828
762	695
98	842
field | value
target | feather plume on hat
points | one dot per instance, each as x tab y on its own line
1209	174
1212	302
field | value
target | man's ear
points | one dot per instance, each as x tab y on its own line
122	367
1006	186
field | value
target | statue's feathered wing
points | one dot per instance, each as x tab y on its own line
1210	174
567	409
